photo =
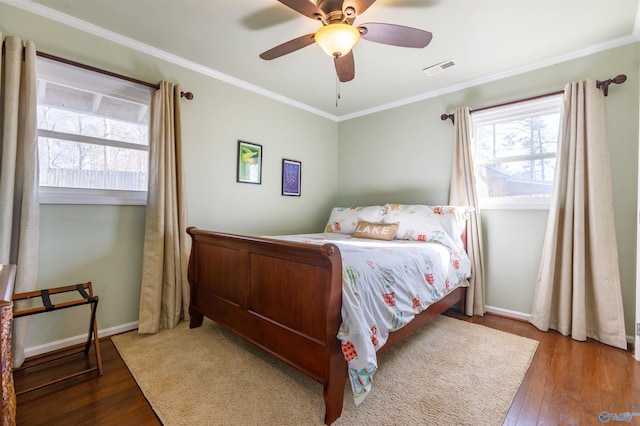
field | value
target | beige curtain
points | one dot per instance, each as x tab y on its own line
164	294
578	287
463	192
19	208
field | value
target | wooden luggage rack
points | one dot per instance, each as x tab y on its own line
86	298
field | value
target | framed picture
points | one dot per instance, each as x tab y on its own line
249	162
291	176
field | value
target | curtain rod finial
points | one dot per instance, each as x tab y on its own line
187	95
619	79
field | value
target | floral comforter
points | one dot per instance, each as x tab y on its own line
385	284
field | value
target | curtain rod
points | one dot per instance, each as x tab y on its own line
186	95
604	85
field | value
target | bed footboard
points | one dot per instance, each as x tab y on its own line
282	296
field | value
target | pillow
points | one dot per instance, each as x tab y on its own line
441	224
343	220
376	231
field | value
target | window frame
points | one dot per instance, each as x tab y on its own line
511	112
82	79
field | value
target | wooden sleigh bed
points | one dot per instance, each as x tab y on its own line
285	297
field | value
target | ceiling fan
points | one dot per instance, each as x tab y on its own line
337	36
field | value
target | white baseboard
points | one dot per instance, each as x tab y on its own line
525	317
507	313
76	340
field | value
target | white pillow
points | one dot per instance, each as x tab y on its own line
441	224
344	220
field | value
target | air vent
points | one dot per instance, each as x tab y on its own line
438	68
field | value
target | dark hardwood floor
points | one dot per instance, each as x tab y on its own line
568	383
111	399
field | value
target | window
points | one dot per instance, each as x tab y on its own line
93	136
514	149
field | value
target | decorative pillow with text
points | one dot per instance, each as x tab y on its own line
376	231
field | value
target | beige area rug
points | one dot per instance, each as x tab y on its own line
449	373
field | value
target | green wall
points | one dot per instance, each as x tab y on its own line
401	155
404	155
103	244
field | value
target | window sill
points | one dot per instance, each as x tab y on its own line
57	195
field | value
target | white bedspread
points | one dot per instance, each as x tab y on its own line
385	284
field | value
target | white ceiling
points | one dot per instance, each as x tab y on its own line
488	39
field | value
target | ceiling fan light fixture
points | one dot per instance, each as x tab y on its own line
337	39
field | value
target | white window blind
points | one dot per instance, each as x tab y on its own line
93	136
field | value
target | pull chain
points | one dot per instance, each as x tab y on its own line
337	90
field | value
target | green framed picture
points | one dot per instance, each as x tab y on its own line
249	162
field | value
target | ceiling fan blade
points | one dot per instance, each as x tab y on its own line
395	35
304	7
345	67
358	6
267	17
288	47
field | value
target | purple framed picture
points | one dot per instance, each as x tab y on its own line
291	177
